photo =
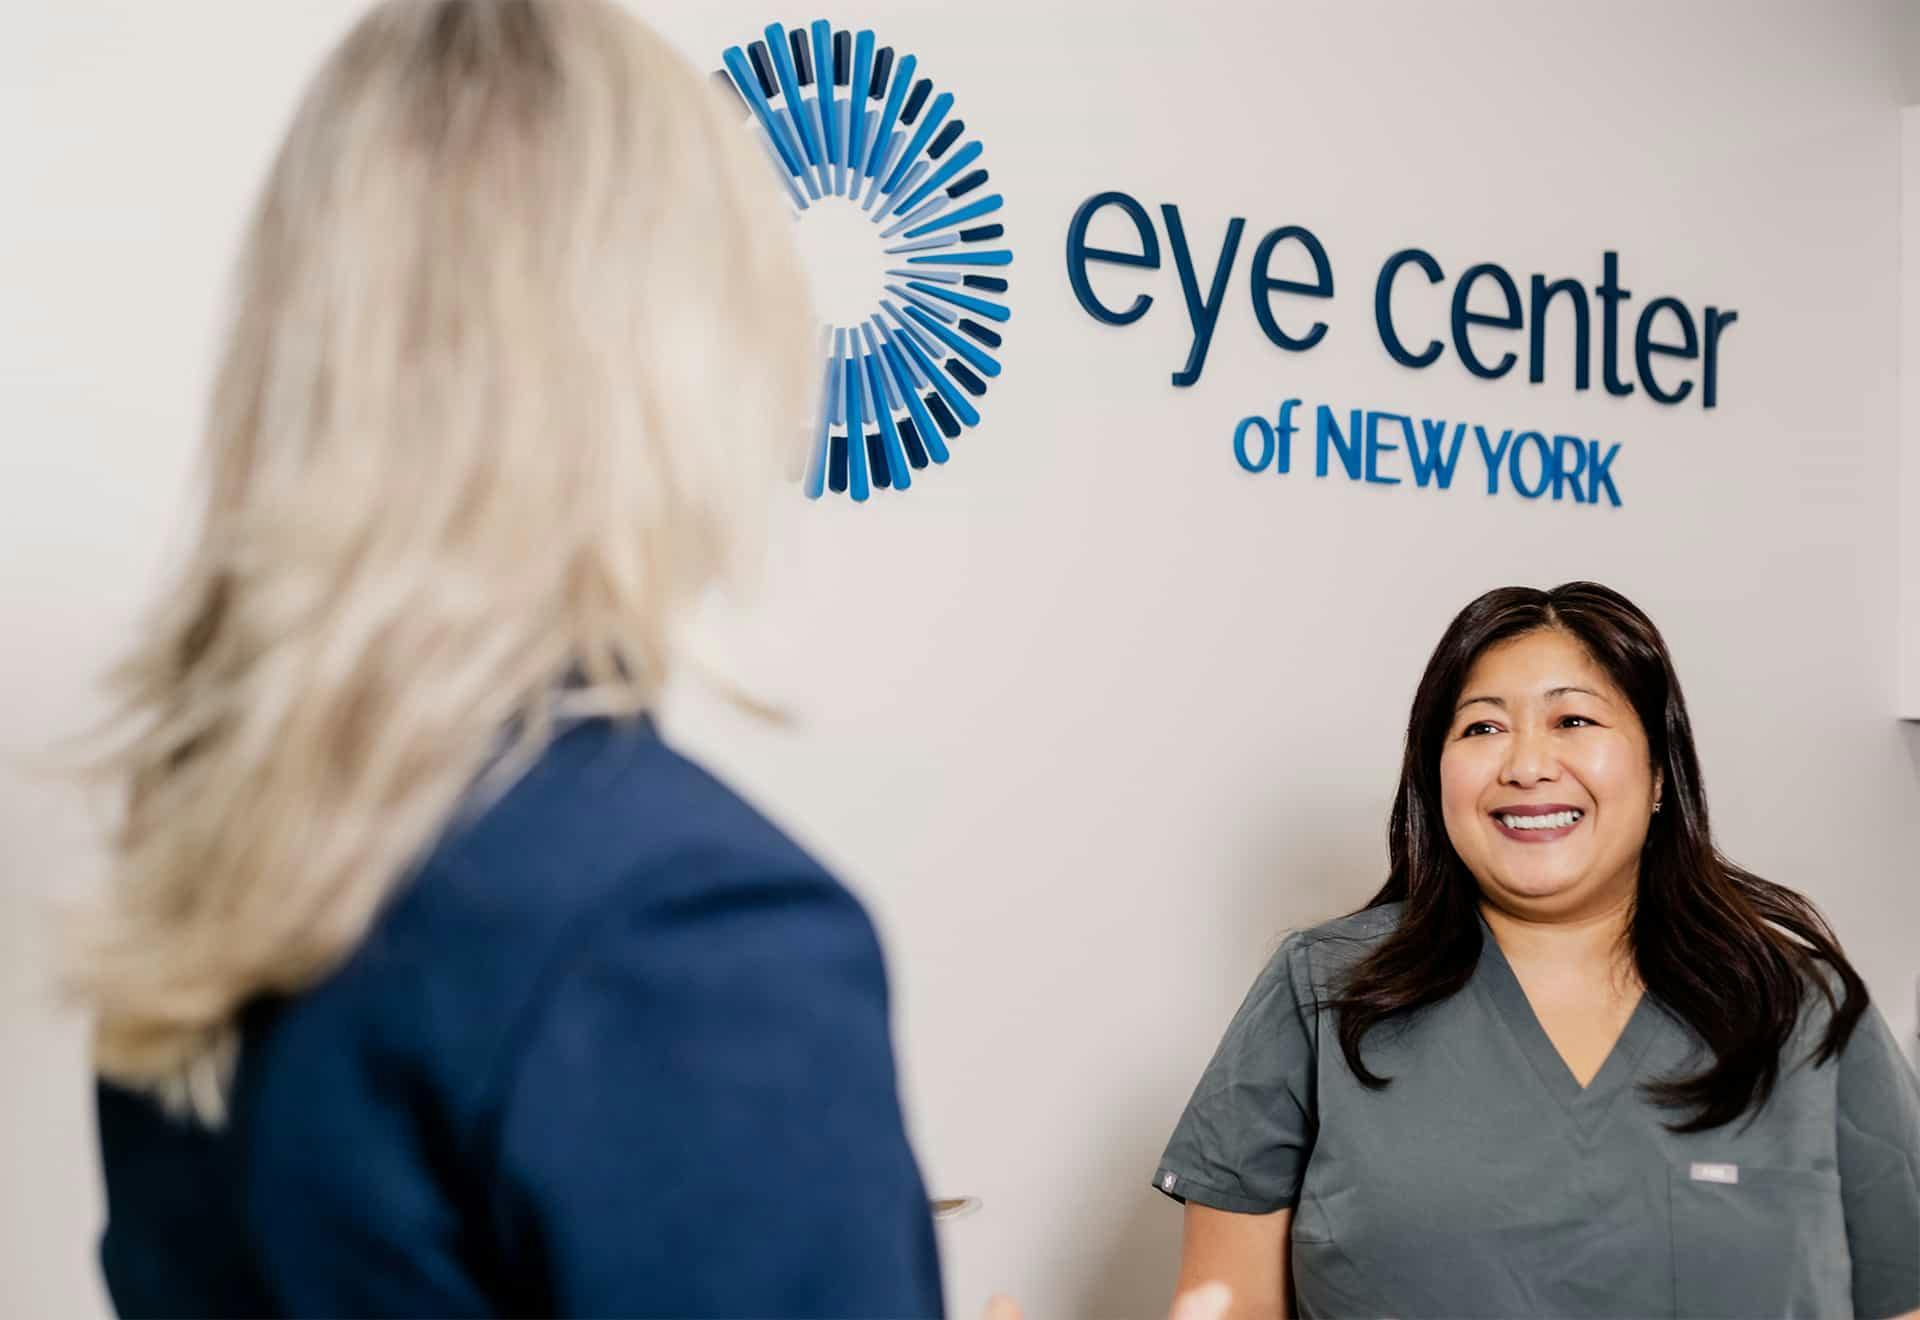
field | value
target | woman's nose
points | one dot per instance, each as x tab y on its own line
1529	760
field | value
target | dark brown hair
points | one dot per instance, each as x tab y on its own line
1726	952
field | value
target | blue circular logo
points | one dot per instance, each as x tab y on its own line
860	141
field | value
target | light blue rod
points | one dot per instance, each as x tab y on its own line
873	348
991	310
886	333
985	206
914	174
939	203
923	423
823	85
924	245
997	257
790	90
932	309
946	389
884	151
889	433
736	62
928	126
928	273
955	163
902	80
980	362
815	481
836	382
856	437
857	95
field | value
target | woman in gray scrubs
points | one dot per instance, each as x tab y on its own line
1569	1061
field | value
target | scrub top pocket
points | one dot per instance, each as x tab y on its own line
1773	1243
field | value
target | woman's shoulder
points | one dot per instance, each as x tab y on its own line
611	847
1368	927
611	835
611	810
1313	958
1346	940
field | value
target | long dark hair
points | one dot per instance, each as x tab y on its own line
1726	952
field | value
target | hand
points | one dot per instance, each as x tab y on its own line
1207	1302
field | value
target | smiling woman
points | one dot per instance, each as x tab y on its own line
1569	1060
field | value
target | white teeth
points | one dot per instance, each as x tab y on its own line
1558	820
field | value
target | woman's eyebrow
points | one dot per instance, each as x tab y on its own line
1550	693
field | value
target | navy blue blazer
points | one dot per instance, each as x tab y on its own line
618	1047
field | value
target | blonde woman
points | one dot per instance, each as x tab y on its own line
431	982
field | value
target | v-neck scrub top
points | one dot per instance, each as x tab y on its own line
1485	1181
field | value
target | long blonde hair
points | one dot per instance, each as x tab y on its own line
519	338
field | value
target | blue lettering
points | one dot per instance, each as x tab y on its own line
1383	306
1565	474
1285	431
1611	295
1326	430
1644	347
1462	318
1432	466
1546	465
1717	321
1266	443
1492	455
1375	446
1264	284
1079	254
1664	328
1599	472
1204	314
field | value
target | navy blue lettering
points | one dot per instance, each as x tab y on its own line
1462	318
1079	254
1544	293
1611	296
1202	313
1383	307
1644	348
1717	321
1264	285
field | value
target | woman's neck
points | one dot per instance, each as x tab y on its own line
1591	943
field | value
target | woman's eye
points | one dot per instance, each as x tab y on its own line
1575	722
1479	727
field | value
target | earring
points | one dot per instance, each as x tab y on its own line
1656	806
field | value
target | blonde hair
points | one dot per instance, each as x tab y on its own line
519	338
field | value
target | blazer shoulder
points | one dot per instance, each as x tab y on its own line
610	817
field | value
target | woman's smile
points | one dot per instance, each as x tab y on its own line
1547	823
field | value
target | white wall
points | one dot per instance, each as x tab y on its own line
1909	511
1091	715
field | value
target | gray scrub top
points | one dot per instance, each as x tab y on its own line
1484	1181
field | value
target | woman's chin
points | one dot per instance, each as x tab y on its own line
1535	888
